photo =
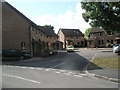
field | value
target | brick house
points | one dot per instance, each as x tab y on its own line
19	32
71	37
117	38
99	38
51	37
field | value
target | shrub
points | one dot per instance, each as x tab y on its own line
109	45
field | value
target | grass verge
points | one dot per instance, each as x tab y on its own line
113	63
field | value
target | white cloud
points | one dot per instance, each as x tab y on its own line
69	19
45	19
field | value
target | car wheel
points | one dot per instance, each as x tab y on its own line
21	57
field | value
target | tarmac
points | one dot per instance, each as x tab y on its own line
96	72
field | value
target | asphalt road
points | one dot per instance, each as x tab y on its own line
61	71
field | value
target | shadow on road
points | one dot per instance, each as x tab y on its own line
62	61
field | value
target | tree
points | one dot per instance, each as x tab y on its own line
86	34
49	27
103	14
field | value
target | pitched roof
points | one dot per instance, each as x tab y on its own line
48	32
72	32
96	29
6	3
44	30
117	36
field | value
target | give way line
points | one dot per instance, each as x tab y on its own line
21	78
55	66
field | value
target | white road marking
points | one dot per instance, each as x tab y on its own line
83	74
21	67
94	56
66	73
32	68
58	65
54	69
57	72
21	78
78	76
24	67
62	70
38	68
70	72
47	69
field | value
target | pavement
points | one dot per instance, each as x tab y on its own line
103	73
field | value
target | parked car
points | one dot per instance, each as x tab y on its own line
70	48
116	48
13	54
53	52
26	55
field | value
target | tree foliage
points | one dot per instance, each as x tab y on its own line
103	14
49	27
86	34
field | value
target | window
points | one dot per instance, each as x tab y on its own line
32	29
110	41
67	37
100	34
90	42
23	44
100	42
44	35
36	31
92	34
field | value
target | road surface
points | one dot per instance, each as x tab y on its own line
61	71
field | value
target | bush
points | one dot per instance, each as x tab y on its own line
109	45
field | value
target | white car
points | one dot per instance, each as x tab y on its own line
116	48
70	48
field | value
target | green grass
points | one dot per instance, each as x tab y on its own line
113	63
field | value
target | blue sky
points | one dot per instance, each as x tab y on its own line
58	14
35	9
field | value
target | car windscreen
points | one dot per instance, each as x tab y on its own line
70	46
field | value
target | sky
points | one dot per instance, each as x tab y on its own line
60	14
